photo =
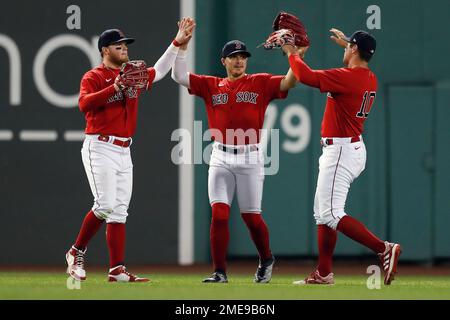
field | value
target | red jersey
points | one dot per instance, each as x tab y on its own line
351	93
239	104
107	111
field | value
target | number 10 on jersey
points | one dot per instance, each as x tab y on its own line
366	105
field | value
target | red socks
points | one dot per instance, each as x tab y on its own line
259	233
352	228
115	238
219	235
355	230
89	228
326	241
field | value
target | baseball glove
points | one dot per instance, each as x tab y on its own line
279	38
285	20
133	74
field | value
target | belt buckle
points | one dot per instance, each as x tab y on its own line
325	142
103	138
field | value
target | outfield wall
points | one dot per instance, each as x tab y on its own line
44	189
403	193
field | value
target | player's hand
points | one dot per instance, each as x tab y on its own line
302	51
289	49
338	37
118	83
185	29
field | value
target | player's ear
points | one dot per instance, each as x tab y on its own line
223	61
105	50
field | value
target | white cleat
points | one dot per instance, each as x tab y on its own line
120	274
316	278
389	260
75	264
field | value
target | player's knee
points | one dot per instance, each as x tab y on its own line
220	211
116	220
250	209
103	212
117	217
329	218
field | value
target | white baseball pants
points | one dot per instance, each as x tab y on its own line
110	173
242	172
339	165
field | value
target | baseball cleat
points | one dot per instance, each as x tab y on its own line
264	272
316	278
217	277
75	264
120	274
389	260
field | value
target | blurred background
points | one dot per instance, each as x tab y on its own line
402	195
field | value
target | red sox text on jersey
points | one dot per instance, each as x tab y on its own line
239	104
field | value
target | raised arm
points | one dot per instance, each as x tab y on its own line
179	71
165	63
301	70
288	81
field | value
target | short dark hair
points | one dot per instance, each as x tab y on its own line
363	55
366	56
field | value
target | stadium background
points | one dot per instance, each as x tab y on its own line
402	195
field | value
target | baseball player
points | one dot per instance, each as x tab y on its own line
235	106
351	94
111	110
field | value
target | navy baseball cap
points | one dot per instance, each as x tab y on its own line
234	46
112	36
365	41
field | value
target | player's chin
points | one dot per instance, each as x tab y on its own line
238	72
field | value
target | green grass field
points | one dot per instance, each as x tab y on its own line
25	285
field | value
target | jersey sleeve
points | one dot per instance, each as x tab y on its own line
334	80
88	84
90	96
151	77
273	87
198	85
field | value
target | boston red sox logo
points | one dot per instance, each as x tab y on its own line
238	45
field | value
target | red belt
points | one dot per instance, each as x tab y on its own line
117	142
329	141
